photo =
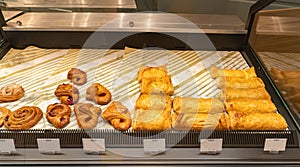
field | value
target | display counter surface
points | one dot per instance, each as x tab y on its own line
11	14
137	22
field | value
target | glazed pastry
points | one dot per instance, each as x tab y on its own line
11	92
197	105
151	73
77	76
98	93
157	85
257	121
87	115
4	112
154	102
58	115
195	121
67	93
23	118
250	105
151	120
216	72
232	93
118	116
239	83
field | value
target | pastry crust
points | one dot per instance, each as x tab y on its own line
87	115
98	93
58	115
257	121
77	76
118	116
151	73
11	92
233	93
23	118
239	83
151	120
197	105
4	113
67	93
157	85
154	102
246	105
216	72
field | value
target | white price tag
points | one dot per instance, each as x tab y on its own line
211	146
93	146
275	145
154	146
49	146
7	146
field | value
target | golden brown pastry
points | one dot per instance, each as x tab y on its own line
216	72
87	115
77	76
151	120
4	113
11	92
58	115
197	105
67	93
23	118
250	105
98	93
118	116
256	93
151	73
257	121
154	102
239	83
157	85
196	121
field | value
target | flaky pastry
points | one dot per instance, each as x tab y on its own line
4	113
67	93
11	92
58	115
216	72
98	93
77	76
87	115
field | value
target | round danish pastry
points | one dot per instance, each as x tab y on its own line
98	93
67	93
118	116
23	118
11	92
4	112
77	76
87	115
58	115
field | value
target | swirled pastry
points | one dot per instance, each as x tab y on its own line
239	83
77	76
67	93
245	105
154	102
11	92
23	118
98	93
197	105
58	115
216	72
233	93
152	73
87	115
118	116
4	113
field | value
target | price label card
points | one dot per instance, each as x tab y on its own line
275	145
154	146
7	146
211	146
93	146
49	146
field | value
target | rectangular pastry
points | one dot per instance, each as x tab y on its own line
151	120
257	121
154	102
244	105
239	83
216	72
151	73
157	85
197	105
233	93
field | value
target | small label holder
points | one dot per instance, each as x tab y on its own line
7	147
211	146
49	146
93	145
275	145
154	146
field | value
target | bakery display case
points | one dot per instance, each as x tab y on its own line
146	88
